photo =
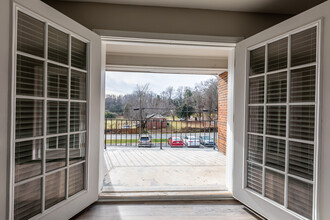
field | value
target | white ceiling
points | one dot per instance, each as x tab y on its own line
260	6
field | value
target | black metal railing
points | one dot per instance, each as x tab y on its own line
122	132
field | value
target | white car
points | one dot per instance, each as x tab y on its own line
191	141
144	141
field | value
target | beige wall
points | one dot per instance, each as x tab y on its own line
5	54
166	20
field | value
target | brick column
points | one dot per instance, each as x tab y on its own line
222	111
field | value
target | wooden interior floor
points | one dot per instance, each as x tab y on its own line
192	210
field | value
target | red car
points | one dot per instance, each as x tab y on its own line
175	142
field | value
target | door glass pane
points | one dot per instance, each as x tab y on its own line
257	61
77	147
78	53
276	87
30	35
302	85
278	55
301	159
256	90
55	188
255	148
56	152
58	45
274	186
57	84
276	120
275	153
76	178
57	117
303	47
254	177
27	202
300	197
78	85
256	119
302	119
28	159
29	118
53	74
77	116
29	76
280	148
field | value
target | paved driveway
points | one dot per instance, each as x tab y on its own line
142	169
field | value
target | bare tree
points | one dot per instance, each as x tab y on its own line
199	100
141	91
204	96
211	96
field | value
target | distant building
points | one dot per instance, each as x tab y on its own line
156	121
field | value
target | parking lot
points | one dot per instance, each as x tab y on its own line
171	169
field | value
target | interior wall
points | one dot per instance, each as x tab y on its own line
166	20
5	66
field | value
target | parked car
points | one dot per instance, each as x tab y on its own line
144	141
207	141
191	141
175	142
126	126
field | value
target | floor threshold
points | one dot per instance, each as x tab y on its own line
165	196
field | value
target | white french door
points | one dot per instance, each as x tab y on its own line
276	119
56	114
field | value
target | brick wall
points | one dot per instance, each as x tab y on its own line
222	111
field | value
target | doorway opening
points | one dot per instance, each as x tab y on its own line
195	168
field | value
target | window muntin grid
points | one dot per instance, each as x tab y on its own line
291	123
44	150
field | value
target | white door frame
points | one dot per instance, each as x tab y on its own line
199	41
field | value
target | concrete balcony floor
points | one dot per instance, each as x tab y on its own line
132	169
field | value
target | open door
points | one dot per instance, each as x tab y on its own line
277	118
55	120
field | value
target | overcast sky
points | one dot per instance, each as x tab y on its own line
120	83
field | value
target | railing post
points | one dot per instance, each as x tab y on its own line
110	131
116	132
126	131
121	132
161	134
136	133
166	133
105	133
214	132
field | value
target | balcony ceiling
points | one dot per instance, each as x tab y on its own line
167	50
259	6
